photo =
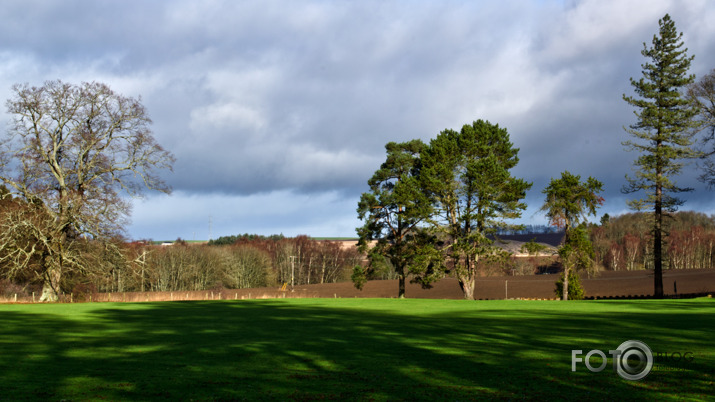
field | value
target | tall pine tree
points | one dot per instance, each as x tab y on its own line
393	211
662	134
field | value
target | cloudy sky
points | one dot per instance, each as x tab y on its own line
278	111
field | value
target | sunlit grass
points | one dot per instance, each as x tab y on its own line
348	349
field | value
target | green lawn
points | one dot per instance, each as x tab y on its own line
366	349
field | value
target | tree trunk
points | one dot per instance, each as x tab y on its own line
658	243
565	290
401	278
322	273
467	285
310	267
466	277
51	285
658	260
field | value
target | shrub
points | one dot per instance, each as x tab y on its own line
576	291
82	291
9	289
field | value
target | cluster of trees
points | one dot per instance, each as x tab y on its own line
434	208
303	261
625	242
187	267
250	261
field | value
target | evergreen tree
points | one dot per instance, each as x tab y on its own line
662	134
467	173
568	203
392	211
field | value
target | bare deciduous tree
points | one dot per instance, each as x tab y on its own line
702	94
73	151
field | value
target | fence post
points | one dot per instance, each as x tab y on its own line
71	297
33	297
506	289
15	297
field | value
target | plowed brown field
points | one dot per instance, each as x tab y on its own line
608	284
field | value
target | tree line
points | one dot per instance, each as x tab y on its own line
248	262
625	243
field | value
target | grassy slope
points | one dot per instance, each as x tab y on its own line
348	349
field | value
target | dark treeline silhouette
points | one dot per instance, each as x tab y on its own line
232	239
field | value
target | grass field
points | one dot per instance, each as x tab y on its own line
350	349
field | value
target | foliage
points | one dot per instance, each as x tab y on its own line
532	247
393	211
70	154
665	120
359	277
662	134
577	250
467	174
575	290
568	203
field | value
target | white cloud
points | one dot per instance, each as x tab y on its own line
227	116
591	27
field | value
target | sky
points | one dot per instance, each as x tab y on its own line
278	111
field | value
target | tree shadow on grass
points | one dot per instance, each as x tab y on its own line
345	349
